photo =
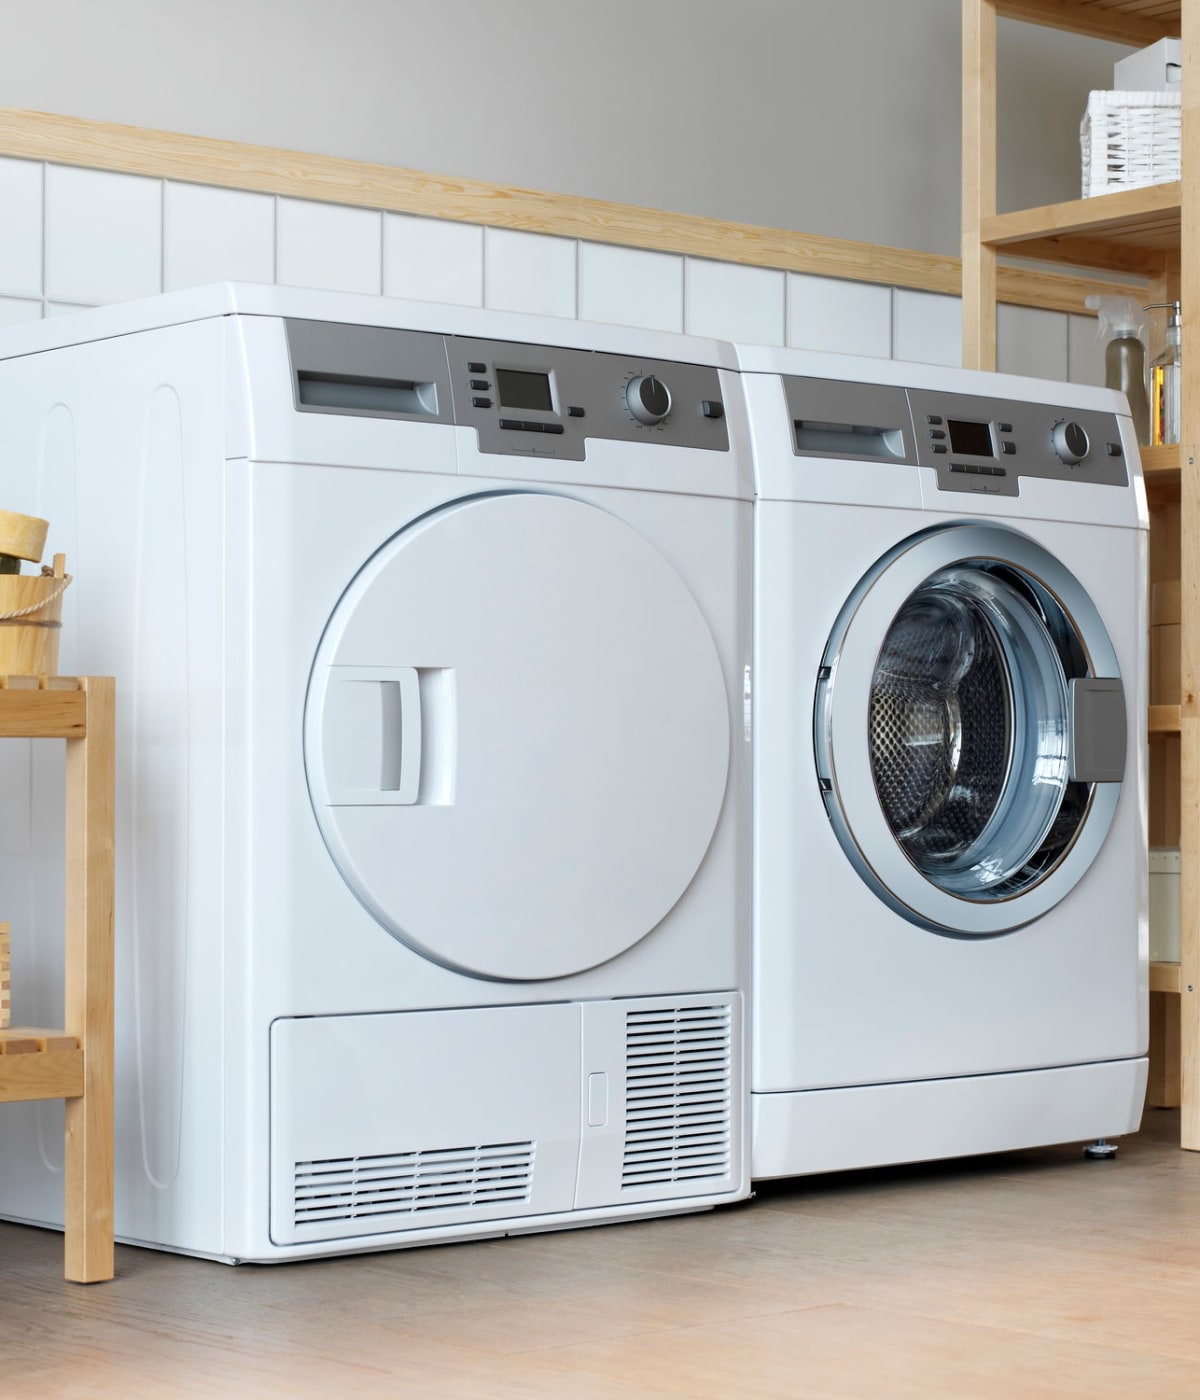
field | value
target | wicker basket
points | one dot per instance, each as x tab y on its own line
1129	139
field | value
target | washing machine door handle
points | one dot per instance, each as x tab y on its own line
1098	730
371	736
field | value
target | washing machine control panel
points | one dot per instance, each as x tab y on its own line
985	445
547	400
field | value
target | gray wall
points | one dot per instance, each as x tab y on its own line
837	117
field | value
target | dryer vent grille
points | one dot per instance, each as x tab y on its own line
678	1095
356	1188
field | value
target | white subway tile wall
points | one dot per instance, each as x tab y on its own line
529	272
73	238
328	245
926	327
103	236
64	308
847	318
1085	351
212	235
14	310
1032	342
21	228
731	302
432	260
630	287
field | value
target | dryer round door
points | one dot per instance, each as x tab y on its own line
970	730
517	736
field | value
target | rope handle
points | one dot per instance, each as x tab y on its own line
43	603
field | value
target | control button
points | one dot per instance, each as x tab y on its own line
993	471
480	384
940	447
958	467
932	418
712	408
648	399
474	367
1114	449
1008	448
1070	442
574	411
521	425
1004	427
481	403
937	434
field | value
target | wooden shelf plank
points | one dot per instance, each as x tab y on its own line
1165	977
1126	231
46	1074
1133	22
1163	719
43	714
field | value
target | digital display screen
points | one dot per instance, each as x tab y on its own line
972	439
523	388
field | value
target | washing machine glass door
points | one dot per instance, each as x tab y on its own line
517	736
970	729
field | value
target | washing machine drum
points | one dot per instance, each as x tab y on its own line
971	741
517	736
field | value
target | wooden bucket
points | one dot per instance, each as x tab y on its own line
31	619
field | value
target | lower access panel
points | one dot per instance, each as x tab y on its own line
419	1120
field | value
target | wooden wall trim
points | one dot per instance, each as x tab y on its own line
203	160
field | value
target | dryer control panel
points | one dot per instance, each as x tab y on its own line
522	399
548	399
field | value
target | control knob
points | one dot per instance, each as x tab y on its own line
648	399
1070	442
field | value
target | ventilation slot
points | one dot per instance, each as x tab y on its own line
678	1113
453	1178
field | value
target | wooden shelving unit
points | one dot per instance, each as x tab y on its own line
76	1064
1138	233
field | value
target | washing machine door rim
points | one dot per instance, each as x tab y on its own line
949	729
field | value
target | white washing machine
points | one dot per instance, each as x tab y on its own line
430	627
950	939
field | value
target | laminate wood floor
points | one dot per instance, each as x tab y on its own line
1035	1274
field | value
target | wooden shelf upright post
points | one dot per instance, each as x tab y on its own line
1189	530
978	183
76	1065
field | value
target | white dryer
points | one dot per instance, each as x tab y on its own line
950	945
430	628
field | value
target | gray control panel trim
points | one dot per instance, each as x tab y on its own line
558	397
974	443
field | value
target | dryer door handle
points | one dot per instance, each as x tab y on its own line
371	736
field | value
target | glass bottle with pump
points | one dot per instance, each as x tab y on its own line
1165	380
1122	328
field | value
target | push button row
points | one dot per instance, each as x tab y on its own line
518	425
970	469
